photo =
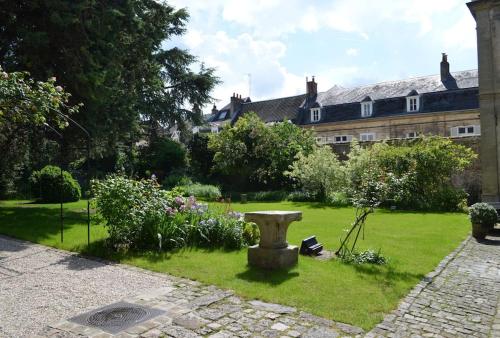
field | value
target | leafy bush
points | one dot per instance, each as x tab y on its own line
268	196
204	191
251	155
338	199
320	173
175	179
484	214
138	214
417	174
47	183
301	196
162	157
365	257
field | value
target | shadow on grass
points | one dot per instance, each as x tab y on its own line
387	273
36	223
268	277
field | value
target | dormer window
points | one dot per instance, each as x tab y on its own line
413	102
366	109
315	114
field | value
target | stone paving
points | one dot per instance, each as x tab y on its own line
459	299
40	288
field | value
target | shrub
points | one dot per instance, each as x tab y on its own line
162	157
203	191
138	214
417	173
267	196
175	179
319	173
47	182
365	257
301	196
484	214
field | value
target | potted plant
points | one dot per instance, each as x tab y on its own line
483	217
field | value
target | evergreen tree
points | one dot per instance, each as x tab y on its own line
111	56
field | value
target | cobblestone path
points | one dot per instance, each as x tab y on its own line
459	299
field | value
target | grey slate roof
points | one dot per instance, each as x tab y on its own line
400	88
275	110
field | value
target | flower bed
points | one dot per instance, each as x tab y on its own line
140	215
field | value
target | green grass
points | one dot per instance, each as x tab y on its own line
359	295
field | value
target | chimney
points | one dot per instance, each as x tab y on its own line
214	110
311	87
445	68
235	104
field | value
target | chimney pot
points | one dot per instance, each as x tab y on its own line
311	87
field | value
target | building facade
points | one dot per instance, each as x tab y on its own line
446	105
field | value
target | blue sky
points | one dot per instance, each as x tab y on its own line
341	42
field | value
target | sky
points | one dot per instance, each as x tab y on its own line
340	42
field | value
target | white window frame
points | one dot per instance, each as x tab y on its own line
413	104
463	131
367	137
214	129
315	114
409	134
366	109
342	138
321	140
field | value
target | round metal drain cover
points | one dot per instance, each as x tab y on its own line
117	317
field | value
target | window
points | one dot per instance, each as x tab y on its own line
462	131
342	139
413	104
223	115
366	109
315	114
366	137
214	129
321	140
412	134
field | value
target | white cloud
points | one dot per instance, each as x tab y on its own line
236	57
251	36
461	35
277	17
352	52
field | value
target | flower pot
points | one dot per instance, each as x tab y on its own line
479	231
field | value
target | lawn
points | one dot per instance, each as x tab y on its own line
358	295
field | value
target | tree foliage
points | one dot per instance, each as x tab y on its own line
161	157
320	173
112	56
26	107
418	173
253	155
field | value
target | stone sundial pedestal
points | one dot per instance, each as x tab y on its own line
273	251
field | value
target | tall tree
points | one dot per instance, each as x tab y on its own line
111	56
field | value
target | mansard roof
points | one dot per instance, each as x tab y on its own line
400	88
275	110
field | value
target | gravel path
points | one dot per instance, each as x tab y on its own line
40	285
